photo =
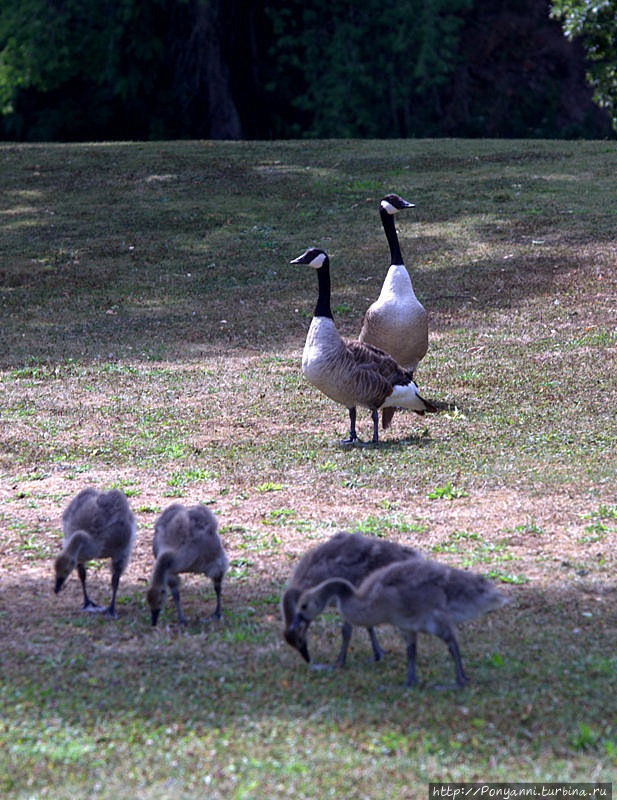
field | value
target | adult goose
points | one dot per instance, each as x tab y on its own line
96	525
413	595
351	556
396	322
349	372
185	540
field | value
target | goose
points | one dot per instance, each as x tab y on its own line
396	322
96	525
413	595
349	372
352	556
185	540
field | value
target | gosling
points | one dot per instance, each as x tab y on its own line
185	540
413	595
96	525
345	555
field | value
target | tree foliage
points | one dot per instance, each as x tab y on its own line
595	23
139	69
362	69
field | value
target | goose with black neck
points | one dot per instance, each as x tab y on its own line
352	373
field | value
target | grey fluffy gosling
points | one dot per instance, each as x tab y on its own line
96	525
396	322
345	555
185	540
351	373
414	595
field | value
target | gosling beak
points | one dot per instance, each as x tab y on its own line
295	635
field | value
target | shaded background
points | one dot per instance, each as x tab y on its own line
74	70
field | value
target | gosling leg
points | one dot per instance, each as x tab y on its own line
89	605
411	639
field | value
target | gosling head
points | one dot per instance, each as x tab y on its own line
313	257
156	600
295	635
393	203
64	566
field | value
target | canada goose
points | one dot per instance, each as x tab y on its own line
396	322
349	372
96	525
413	595
185	540
345	555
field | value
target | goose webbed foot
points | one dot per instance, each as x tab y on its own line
324	667
91	607
109	612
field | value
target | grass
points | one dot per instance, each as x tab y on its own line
151	340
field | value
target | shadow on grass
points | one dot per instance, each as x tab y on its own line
539	667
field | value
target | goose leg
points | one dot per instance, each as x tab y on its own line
378	653
218	583
375	418
89	605
346	629
174	587
110	611
353	436
411	639
449	637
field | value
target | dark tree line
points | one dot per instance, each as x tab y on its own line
144	69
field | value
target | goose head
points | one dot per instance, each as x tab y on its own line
156	600
65	564
313	257
393	203
295	635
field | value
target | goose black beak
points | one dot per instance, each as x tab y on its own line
155	616
295	635
59	585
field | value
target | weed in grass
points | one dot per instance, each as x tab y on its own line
447	492
384	526
269	487
530	528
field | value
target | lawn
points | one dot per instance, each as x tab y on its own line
151	339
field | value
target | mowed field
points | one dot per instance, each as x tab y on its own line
150	339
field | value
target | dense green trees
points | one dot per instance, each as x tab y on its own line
595	23
96	69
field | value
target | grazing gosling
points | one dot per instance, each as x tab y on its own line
413	595
185	540
351	556
96	525
349	372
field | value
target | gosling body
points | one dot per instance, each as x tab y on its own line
351	556
185	540
96	525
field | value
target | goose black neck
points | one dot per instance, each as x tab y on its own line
387	221
322	309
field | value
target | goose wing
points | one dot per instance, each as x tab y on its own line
375	373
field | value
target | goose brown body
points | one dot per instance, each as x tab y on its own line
185	540
351	556
96	525
417	595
